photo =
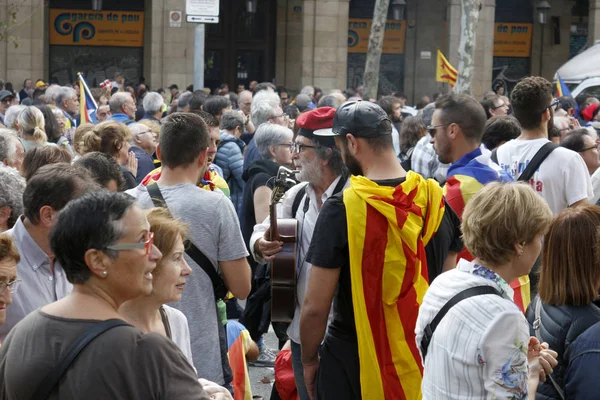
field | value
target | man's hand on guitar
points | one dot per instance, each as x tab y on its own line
267	248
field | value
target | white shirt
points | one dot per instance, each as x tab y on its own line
562	179
596	186
479	349
180	332
306	224
396	140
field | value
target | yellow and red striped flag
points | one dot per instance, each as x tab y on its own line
388	229
445	72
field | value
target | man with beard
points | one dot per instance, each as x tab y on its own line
322	175
393	107
375	248
562	178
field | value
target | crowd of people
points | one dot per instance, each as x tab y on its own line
443	251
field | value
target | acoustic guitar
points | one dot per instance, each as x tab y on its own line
283	266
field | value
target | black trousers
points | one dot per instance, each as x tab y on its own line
339	370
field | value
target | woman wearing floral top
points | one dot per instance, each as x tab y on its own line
482	349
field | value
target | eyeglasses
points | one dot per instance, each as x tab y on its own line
6	101
299	147
500	106
290	145
554	105
147	243
13	286
432	128
596	147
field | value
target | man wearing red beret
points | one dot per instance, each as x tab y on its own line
322	174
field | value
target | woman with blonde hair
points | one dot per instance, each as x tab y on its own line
473	339
112	138
31	127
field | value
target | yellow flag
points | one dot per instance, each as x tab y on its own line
445	71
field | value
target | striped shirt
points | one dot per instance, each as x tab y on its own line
479	349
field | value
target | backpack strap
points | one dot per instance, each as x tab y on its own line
494	156
298	200
465	294
51	379
192	250
536	161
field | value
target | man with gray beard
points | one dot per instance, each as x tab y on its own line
322	174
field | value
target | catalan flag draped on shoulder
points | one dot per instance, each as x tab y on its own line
445	72
465	178
388	229
87	104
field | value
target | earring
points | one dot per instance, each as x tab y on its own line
521	253
104	273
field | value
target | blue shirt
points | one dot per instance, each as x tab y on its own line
122	118
145	163
582	373
252	154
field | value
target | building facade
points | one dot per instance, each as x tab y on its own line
292	43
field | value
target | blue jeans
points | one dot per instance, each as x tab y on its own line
298	371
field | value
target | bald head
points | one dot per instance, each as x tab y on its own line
245	101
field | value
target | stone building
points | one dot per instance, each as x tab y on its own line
292	43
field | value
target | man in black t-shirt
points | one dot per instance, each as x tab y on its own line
392	255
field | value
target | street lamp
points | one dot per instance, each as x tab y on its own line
398	8
97	5
542	8
251	6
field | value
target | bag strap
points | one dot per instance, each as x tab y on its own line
465	294
536	161
494	156
165	320
298	200
537	323
219	288
53	377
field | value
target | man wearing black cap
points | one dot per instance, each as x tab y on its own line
323	174
375	247
6	98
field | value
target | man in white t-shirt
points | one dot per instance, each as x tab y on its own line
562	179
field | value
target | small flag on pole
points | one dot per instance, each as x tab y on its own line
87	105
445	71
563	90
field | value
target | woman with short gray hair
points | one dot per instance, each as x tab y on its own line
274	142
12	186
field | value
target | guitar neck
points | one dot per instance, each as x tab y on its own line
273	221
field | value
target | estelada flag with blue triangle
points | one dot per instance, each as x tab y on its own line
563	90
87	104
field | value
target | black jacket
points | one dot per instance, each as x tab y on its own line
559	327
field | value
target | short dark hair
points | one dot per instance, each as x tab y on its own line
55	185
500	129
210	120
291	110
567	103
387	103
183	136
489	102
214	105
553	132
197	100
464	111
37	93
89	222
43	155
530	99
411	132
574	140
103	168
383	140
263	86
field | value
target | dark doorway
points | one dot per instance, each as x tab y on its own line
241	47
